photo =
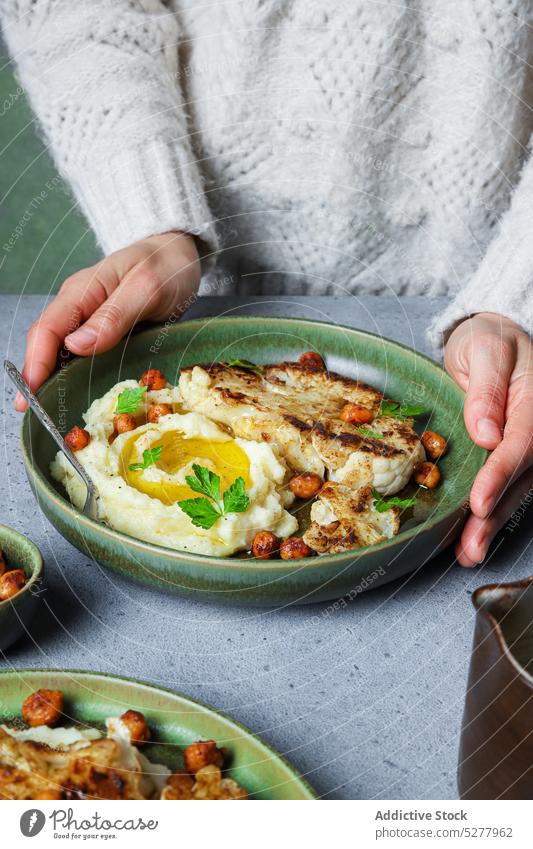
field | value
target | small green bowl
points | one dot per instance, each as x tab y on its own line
175	722
401	373
17	612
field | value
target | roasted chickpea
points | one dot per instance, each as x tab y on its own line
153	379
11	583
312	361
427	475
137	726
294	548
265	545
155	411
434	444
123	422
44	707
305	485
203	753
356	414
77	438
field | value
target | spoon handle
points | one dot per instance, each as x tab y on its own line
89	508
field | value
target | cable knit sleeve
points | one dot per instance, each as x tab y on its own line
103	78
503	282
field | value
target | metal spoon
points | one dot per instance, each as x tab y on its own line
90	506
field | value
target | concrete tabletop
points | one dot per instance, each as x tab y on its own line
366	702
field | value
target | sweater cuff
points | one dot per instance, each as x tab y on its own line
142	192
503	284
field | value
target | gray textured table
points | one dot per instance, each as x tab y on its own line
366	703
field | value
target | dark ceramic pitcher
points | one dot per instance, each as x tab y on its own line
496	752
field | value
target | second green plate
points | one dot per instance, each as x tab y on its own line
175	722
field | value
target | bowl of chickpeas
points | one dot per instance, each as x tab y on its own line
21	578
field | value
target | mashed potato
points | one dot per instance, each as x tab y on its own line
143	503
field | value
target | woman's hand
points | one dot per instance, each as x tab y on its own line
491	358
97	306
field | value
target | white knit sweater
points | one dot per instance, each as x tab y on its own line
315	146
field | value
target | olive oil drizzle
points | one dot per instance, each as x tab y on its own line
224	457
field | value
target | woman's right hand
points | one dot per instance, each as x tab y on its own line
96	307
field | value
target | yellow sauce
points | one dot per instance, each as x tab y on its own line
225	458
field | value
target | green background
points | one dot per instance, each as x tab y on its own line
55	240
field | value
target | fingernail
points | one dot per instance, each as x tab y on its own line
19	400
82	338
488	429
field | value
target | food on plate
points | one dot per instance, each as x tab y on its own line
342	518
11	583
434	444
182	481
43	707
81	762
123	422
427	475
137	727
208	784
294	548
265	545
298	411
305	485
203	753
383	457
153	379
213	465
12	579
155	411
356	414
77	438
312	361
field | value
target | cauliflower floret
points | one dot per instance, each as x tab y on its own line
342	520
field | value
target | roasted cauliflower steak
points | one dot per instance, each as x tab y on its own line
342	520
298	410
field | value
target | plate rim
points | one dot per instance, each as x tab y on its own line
241	565
198	703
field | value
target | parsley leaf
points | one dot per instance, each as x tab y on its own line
370	434
150	457
205	482
202	512
382	503
244	364
129	400
235	498
400	411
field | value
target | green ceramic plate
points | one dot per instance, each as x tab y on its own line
174	720
17	612
400	372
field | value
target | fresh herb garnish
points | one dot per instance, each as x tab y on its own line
370	434
382	504
150	456
129	400
400	411
244	364
235	499
204	512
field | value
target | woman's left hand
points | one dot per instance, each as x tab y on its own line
491	358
